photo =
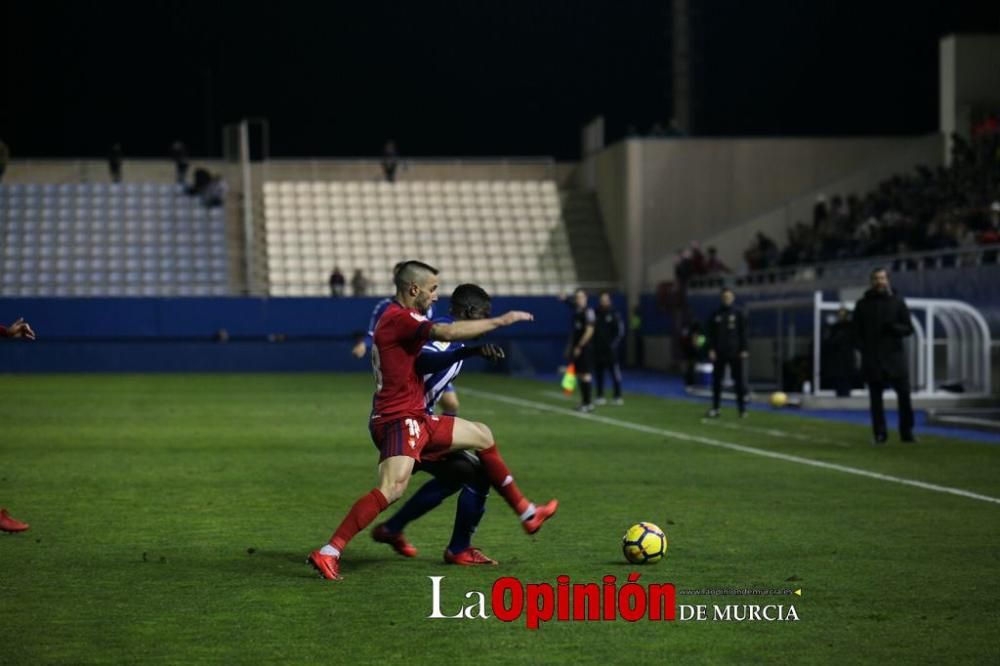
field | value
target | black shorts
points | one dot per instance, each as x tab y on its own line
457	469
585	361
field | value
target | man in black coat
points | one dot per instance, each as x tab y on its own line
881	321
727	346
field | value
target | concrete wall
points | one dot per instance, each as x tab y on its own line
95	171
75	171
444	169
969	78
607	173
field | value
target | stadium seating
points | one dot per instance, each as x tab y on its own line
101	239
508	236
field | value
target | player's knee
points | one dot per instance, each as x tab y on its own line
586	377
483	436
393	489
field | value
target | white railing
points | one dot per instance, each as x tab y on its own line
966	341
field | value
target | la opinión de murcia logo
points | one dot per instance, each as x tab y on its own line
537	603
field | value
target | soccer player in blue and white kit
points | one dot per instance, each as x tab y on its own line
439	363
448	397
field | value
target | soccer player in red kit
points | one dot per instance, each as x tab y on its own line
400	427
19	329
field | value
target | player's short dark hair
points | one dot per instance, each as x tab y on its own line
470	301
409	272
725	289
877	269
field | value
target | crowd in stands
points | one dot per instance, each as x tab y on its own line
692	263
929	210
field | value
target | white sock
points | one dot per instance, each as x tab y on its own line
528	513
329	550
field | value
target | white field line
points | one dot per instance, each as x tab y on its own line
774	432
708	441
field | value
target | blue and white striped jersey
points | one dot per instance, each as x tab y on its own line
438	382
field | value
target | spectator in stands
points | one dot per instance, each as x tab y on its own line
4	158
881	321
215	192
683	270
390	161
115	163
179	155
762	253
820	211
359	283
337	283
768	250
199	185
714	265
697	258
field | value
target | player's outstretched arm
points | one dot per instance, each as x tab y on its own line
19	329
473	328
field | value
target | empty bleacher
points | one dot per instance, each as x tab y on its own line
102	239
508	236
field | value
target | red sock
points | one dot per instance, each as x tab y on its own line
364	511
500	478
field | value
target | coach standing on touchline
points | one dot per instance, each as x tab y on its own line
727	346
881	321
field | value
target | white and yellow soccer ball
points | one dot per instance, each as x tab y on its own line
779	399
644	543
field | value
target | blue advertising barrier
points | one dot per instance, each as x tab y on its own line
261	334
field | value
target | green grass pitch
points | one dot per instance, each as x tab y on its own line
171	515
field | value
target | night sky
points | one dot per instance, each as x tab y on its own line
475	77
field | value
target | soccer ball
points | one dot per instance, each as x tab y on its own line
779	399
644	543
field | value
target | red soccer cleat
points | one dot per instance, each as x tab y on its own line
542	513
8	524
469	557
328	566
396	540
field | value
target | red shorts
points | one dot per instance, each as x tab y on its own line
421	438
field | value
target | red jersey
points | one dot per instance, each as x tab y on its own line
399	337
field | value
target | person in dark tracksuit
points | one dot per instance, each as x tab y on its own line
579	350
881	321
727	346
609	331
